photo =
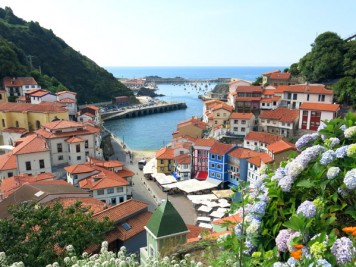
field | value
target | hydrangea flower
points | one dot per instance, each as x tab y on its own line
350	179
334	141
307	209
279	264
290	239
309	154
317	250
258	209
282	239
341	152
351	150
292	262
349	132
253	227
321	126
327	157
279	174
332	172
238	228
294	168
342	250
343	127
305	140
320	263
286	183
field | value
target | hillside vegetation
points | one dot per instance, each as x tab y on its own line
28	49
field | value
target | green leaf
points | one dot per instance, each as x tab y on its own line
306	183
295	223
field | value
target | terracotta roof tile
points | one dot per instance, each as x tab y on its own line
95	205
62	124
18	81
320	107
101	181
183	159
249	89
79	168
269	100
86	129
270	72
232	219
165	153
280	114
221	148
7	162
221	106
66	92
195	231
269	92
280	76
263	157
14	130
92	107
87	114
243	153
122	210
106	164
26	107
241	116
247	99
281	146
262	137
209	142
74	139
214	235
125	173
31	144
67	100
303	88
40	93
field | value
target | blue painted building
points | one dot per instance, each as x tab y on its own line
217	162
238	165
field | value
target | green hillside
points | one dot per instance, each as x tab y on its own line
54	64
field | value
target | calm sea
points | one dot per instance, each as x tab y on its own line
154	131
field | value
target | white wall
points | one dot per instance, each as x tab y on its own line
45	98
107	197
34	158
236	128
5	174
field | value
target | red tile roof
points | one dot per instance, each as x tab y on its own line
62	124
281	146
87	114
269	92
280	114
106	164
320	107
7	162
66	92
209	142
11	184
18	81
195	231
121	210
14	130
186	145
232	219
307	89
249	89
40	93
31	144
263	157
220	148
101	181
92	107
209	237
183	159
94	205
79	168
241	116
125	173
67	100
221	106
262	137
74	140
269	100
86	129
243	153
26	107
21	99
270	72
280	76
165	153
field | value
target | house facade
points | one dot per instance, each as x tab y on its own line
18	86
259	141
201	150
165	160
241	123
8	166
312	114
248	98
183	166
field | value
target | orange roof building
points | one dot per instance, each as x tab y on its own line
8	165
259	141
165	160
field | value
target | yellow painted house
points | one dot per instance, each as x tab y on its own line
3	96
165	160
29	116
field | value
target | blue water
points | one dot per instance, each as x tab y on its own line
154	131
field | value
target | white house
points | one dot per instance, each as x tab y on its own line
69	99
256	166
312	114
42	95
8	167
183	166
294	95
71	142
12	134
241	123
18	86
259	141
90	113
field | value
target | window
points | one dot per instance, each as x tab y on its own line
212	174
121	199
308	97
42	164
3	123
86	143
217	114
86	153
28	165
219	167
236	121
59	148
17	124
162	168
321	98
213	156
216	122
218	175
119	189
295	96
110	190
162	161
79	157
236	129
268	121
100	192
38	124
212	165
10	174
255	143
126	226
60	157
0	96
305	113
77	148
263	104
113	200
243	129
219	157
289	96
243	122
248	142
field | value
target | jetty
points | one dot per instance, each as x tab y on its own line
142	111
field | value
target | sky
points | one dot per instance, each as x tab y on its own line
190	32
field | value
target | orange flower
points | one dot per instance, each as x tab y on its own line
350	229
296	254
298	246
354	233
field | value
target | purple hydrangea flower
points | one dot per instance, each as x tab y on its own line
292	262
327	157
342	192
258	209
342	250
282	239
307	208
341	152
279	264
310	154
321	126
238	228
350	179
305	140
343	127
332	172
334	141
289	242
279	174
286	183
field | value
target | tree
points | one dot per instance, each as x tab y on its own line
345	91
258	81
293	69
37	234
350	59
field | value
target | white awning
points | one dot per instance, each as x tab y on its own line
204	208
205	225
216	214
228	193
197	199
191	185
213	181
204	218
6	147
163	179
211	204
222	210
150	167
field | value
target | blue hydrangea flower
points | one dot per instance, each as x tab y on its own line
282	239
321	126
327	157
343	127
322	263
238	228
286	183
334	141
342	192
342	250
279	264
309	154
292	262
350	179
341	152
305	140
294	168
332	172
258	209
279	174
349	132
307	208
253	227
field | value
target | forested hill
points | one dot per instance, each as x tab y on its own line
54	64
